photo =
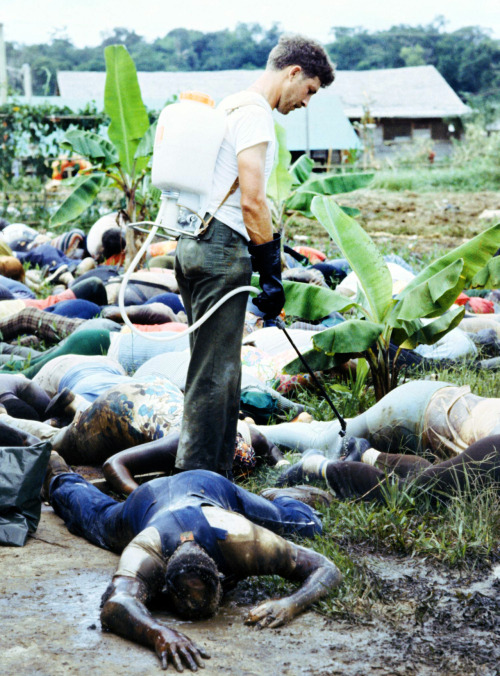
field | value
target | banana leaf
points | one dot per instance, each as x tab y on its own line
146	144
123	103
317	361
327	184
301	169
434	296
361	254
416	333
476	253
92	146
488	277
313	302
353	336
280	181
86	190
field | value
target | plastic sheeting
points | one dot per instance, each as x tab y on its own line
22	471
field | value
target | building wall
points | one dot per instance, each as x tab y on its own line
389	136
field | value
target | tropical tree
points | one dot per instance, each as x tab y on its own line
420	313
122	160
291	187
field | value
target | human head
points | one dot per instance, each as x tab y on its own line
192	582
113	242
297	50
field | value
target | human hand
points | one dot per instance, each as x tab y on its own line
172	646
271	614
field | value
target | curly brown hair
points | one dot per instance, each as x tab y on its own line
298	50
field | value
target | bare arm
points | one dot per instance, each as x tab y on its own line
265	449
251	173
124	613
318	574
252	550
155	456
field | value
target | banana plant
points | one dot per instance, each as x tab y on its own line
421	313
122	160
291	187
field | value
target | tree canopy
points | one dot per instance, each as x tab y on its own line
468	58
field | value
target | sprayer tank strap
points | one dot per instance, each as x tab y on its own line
204	226
230	192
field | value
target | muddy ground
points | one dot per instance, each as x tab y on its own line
430	620
423	222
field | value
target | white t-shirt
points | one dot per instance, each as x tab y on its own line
249	124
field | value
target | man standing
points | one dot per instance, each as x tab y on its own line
219	261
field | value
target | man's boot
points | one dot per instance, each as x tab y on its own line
57	465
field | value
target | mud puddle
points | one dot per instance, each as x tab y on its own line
429	621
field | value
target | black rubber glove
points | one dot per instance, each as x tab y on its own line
266	260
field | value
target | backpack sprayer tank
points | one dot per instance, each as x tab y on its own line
188	137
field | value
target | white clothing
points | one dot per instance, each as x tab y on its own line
16	231
250	123
456	344
94	238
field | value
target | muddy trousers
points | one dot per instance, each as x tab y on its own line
206	269
109	524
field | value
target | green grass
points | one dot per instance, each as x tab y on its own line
464	533
460	179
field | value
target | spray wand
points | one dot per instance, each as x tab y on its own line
281	325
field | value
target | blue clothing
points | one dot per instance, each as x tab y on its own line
172	505
82	309
46	255
5	294
171	300
91	379
17	289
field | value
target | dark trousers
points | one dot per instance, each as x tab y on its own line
206	269
475	467
109	524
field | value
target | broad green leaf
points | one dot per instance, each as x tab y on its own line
301	169
434	296
353	212
428	334
91	145
360	252
326	184
489	276
313	302
476	253
146	144
334	184
349	337
317	361
280	181
80	199
123	103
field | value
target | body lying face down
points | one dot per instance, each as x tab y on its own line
183	540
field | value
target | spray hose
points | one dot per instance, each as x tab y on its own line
241	289
193	327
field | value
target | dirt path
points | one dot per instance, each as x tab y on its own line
419	220
430	621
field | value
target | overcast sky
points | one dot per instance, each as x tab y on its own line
86	21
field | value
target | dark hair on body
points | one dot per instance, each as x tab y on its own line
113	242
190	558
297	50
